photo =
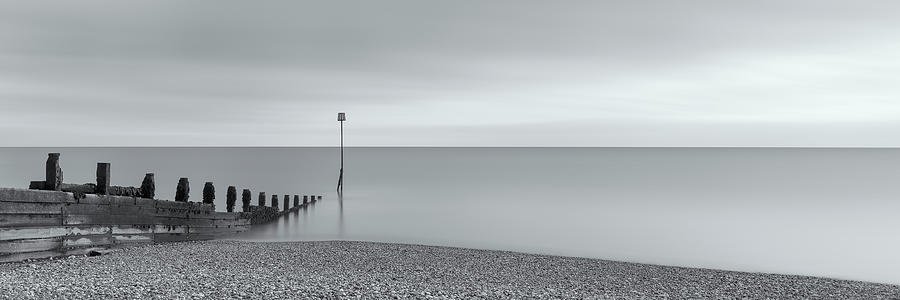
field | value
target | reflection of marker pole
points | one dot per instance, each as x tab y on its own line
340	186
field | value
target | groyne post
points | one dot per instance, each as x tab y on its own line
54	173
305	200
148	186
209	193
183	190
102	179
287	202
262	199
296	200
230	198
245	200
275	202
320	197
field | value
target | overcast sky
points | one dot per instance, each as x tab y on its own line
450	73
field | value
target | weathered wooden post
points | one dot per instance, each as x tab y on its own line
183	190
305	199
148	186
245	200
287	202
262	199
230	198
275	202
312	198
320	197
296	200
209	193
54	173
102	179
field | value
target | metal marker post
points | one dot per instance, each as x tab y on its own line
340	186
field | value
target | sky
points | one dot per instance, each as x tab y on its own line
450	73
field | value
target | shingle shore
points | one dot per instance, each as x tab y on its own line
341	269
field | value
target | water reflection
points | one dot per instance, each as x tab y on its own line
340	195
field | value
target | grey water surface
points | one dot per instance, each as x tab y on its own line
821	212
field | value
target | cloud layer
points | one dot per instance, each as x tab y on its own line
450	73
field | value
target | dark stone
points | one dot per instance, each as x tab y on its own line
183	190
230	198
148	186
287	202
275	202
54	173
209	193
245	200
262	199
94	253
102	178
36	185
296	200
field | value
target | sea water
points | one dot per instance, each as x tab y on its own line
820	212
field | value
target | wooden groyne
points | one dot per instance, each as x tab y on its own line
53	218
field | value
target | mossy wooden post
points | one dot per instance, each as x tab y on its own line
287	202
209	193
262	199
230	198
54	174
275	202
148	186
183	190
102	179
245	200
296	200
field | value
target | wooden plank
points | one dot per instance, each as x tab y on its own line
35	196
108	220
241	222
199	221
98	209
94	199
15	233
30	255
87	241
131	229
132	238
117	200
19	233
30	245
227	215
145	202
162	212
30	208
180	237
192	206
182	221
169	229
30	220
235	229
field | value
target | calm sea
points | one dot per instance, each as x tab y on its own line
822	212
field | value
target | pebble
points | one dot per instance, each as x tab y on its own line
363	270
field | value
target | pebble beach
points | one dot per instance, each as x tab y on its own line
364	270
